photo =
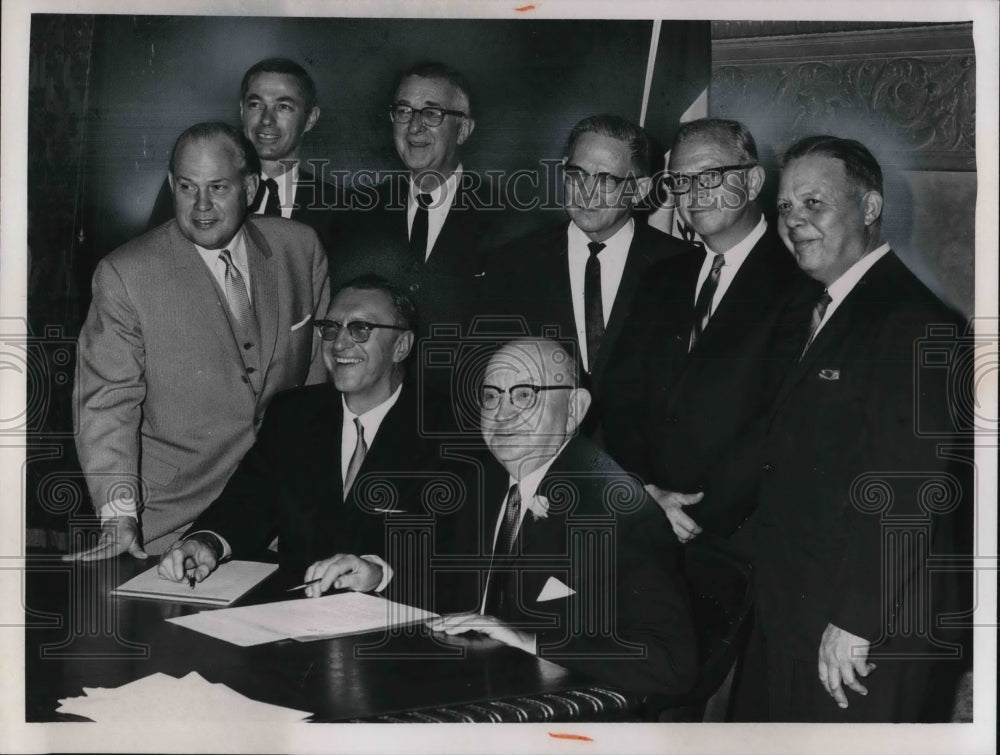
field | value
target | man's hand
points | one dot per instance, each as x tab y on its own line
672	504
343	571
460	623
842	655
118	535
187	558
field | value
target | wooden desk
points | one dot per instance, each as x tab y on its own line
78	635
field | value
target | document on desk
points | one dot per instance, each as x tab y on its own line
158	698
231	581
303	619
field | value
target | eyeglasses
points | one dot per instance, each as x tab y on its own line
601	181
359	330
429	116
521	396
680	183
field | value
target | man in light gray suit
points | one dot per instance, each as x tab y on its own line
193	327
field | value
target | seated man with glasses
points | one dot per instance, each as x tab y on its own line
331	462
695	351
423	227
580	566
579	278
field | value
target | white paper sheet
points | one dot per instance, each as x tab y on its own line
303	619
159	697
222	587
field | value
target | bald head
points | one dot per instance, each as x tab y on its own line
531	403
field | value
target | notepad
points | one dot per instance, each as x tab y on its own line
231	581
303	619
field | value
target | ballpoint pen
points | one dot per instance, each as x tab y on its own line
304	585
191	580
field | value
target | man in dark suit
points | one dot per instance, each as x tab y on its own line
193	327
278	108
579	279
423	228
841	463
331	462
691	368
583	567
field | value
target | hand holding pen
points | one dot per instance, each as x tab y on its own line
190	560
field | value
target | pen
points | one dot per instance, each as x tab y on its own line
190	579
304	585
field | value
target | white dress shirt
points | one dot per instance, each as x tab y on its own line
286	190
612	258
840	288
734	257
442	198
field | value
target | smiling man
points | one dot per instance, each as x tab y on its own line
845	617
278	107
330	461
581	277
423	228
694	354
582	565
192	329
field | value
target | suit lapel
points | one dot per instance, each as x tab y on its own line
265	288
393	441
636	262
205	296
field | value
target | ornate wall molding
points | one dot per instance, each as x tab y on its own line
907	93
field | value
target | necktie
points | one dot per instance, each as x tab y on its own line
273	206
496	604
703	305
357	458
593	307
817	317
237	296
418	234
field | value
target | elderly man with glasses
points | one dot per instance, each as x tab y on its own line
331	462
579	278
693	358
422	227
579	565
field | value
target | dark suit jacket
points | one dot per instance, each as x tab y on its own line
372	237
670	413
605	539
314	198
842	454
290	483
529	278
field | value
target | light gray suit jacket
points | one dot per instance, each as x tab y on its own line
165	408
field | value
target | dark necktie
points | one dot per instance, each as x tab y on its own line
273	206
817	317
357	458
593	307
703	305
237	296
499	579
418	234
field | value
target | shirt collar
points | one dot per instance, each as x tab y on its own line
440	193
840	288
372	419
237	247
620	242
286	183
528	485
739	252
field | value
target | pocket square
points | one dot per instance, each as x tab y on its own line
553	590
298	325
829	374
389	511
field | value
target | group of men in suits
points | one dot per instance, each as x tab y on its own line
725	385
